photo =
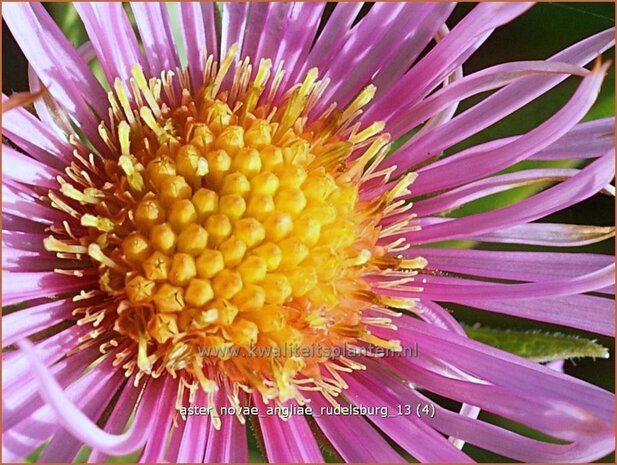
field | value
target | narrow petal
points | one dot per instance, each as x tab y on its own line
58	65
21	168
334	34
256	27
272	31
386	37
25	260
523	266
22	201
421	441
16	224
197	21
549	234
113	38
455	289
486	435
233	24
504	369
16	447
119	417
21	401
173	447
586	403
75	392
227	444
299	34
22	323
484	80
80	426
102	380
193	444
154	28
31	242
490	160
63	446
585	184
499	105
211	30
586	140
434	313
371	39
193	33
586	312
460	196
287	441
422	28
154	451
18	370
34	138
445	57
343	434
20	287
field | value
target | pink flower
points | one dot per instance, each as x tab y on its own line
221	225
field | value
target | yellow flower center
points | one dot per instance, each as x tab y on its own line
229	234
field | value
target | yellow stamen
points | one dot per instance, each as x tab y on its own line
124	101
142	84
221	222
54	245
363	98
102	224
130	167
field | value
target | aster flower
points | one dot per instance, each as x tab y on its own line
223	223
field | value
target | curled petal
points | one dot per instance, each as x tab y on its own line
586	140
79	425
497	106
573	190
456	289
549	234
586	312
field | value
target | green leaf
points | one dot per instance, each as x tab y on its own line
536	345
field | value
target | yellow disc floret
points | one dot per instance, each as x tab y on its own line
230	233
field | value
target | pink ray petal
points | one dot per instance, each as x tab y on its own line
445	57
152	21
57	64
78	424
343	434
193	444
113	39
523	266
229	443
22	323
421	441
497	106
287	441
586	183
585	140
586	312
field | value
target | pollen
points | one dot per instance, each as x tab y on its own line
225	222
